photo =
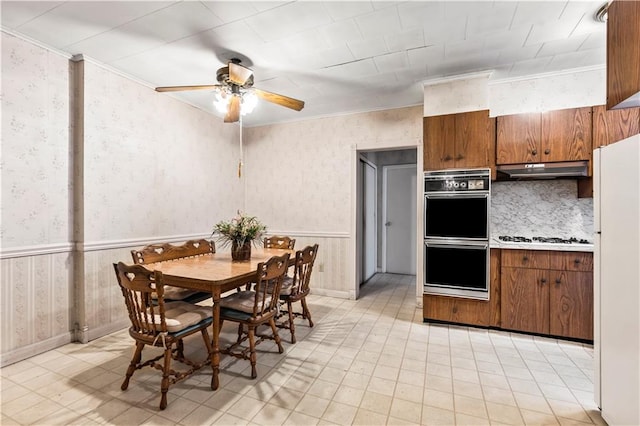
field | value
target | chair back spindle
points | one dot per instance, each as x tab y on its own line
268	284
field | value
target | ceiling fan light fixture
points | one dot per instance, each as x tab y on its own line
249	102
221	101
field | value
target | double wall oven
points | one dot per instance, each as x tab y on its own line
456	232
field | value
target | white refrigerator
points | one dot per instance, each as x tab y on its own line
616	187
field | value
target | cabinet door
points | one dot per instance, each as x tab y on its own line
474	135
525	299
566	135
518	139
454	309
614	125
439	134
571	304
623	55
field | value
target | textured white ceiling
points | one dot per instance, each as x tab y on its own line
337	56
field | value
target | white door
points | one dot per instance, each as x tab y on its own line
399	215
368	221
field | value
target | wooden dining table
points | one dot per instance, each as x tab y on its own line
215	273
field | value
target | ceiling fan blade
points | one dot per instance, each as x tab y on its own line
233	113
180	88
239	74
275	98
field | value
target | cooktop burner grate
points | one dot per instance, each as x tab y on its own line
514	239
551	240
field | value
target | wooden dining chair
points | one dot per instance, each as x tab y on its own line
162	252
296	289
160	324
252	308
279	242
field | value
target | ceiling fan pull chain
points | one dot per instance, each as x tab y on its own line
240	161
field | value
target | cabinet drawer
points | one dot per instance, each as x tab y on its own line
458	310
525	259
571	261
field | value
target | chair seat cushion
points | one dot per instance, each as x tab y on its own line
287	286
177	293
180	315
243	301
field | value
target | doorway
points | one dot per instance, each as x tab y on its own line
399	218
396	171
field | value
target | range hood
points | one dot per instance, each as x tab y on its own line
545	170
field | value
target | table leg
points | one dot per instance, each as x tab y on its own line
215	353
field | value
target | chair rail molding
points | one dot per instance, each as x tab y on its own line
37	250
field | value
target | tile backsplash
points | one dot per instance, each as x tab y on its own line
546	208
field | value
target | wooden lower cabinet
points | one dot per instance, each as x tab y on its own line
571	304
533	291
556	299
456	309
525	299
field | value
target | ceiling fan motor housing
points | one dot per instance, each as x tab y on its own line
222	75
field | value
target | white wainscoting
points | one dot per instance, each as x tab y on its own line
37	304
330	275
38	295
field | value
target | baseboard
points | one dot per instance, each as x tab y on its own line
104	330
340	294
34	349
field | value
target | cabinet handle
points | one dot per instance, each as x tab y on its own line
525	259
558	280
547	151
534	152
543	280
577	261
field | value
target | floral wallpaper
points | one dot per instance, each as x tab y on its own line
35	162
153	166
460	95
572	90
299	174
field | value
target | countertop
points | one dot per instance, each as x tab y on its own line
496	243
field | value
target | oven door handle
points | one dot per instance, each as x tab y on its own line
468	246
456	195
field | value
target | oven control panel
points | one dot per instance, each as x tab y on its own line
457	181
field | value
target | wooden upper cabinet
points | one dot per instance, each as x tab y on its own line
562	135
439	146
475	137
566	135
623	54
518	138
465	140
611	126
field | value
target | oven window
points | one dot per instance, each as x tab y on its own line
456	266
451	217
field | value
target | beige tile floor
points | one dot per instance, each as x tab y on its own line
368	362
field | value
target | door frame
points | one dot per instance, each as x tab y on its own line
385	170
360	228
352	276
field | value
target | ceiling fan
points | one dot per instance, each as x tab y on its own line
236	86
